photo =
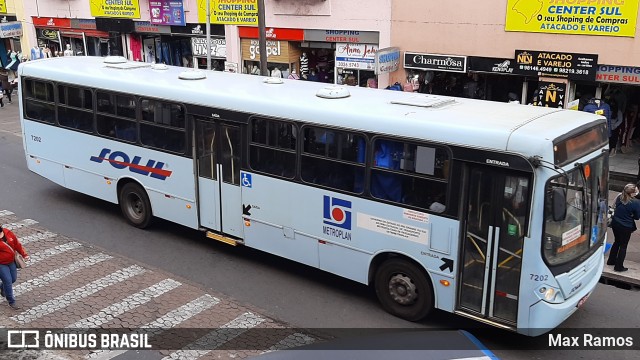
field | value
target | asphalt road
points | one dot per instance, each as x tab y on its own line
293	293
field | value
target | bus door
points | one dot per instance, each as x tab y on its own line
218	166
497	202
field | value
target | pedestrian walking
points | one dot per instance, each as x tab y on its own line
9	245
6	85
626	212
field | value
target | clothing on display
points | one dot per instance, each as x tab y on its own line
36	53
14	61
599	107
304	65
293	75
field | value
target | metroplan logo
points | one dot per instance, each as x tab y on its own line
120	160
337	212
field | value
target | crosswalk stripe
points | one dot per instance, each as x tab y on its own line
130	302
20	224
291	341
56	250
57	274
36	237
76	295
5	213
218	337
169	320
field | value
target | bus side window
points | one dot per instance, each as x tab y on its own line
272	148
407	173
330	159
386	185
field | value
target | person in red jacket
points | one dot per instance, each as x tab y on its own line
9	245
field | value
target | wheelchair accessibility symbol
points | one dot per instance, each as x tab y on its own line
246	179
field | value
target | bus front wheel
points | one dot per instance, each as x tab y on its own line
135	205
403	289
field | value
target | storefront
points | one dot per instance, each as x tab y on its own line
76	36
196	34
146	44
283	51
118	29
94	42
493	79
572	74
10	36
436	73
345	56
48	35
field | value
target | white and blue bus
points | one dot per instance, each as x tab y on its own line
492	211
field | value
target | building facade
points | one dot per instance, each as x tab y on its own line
328	41
546	52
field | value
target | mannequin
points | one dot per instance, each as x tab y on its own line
36	53
599	107
68	52
276	72
46	52
304	65
255	70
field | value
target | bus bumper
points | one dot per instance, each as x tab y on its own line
544	316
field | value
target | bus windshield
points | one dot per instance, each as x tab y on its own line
584	225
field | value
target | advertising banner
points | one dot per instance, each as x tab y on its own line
229	12
491	65
356	56
129	9
556	64
387	60
167	12
10	29
549	95
450	63
218	47
577	17
629	75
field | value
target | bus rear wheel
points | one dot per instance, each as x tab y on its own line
135	205
404	290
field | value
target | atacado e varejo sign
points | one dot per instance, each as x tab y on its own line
230	12
577	17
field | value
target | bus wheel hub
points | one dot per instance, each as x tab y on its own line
402	290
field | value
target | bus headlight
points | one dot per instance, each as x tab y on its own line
550	294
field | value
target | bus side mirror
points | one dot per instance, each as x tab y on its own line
559	203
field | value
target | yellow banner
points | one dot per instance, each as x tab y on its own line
115	8
577	17
3	6
229	12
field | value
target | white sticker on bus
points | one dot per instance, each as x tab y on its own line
571	235
415	215
388	227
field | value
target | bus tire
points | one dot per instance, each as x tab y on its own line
404	290
135	205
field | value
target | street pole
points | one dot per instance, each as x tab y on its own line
262	39
208	34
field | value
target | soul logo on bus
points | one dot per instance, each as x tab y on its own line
337	217
121	160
